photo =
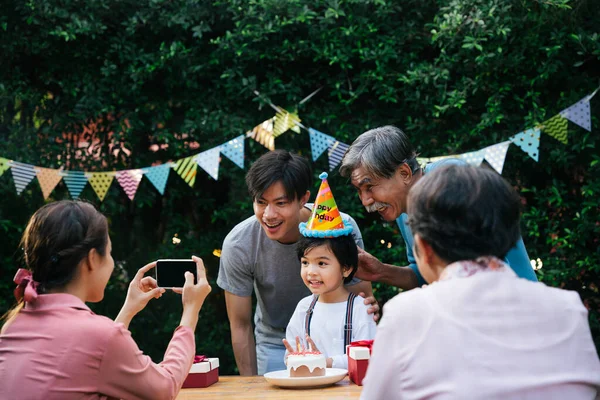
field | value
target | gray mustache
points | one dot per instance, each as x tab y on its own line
373	207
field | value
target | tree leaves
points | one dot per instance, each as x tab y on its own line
456	75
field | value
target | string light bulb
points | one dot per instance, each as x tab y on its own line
537	264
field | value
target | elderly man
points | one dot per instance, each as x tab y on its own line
382	165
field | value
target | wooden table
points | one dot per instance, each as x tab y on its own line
256	387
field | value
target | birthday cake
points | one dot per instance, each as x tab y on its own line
305	364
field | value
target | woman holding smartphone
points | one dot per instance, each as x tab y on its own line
53	346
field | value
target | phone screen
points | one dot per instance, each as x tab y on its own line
171	273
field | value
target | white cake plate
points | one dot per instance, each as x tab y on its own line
282	378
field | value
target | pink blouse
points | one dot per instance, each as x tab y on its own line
57	348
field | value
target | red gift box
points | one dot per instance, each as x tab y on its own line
204	372
359	354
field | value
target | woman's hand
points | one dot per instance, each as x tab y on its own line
193	295
141	291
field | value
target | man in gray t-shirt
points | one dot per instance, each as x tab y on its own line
259	254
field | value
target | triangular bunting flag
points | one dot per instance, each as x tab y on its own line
319	142
158	176
557	128
474	157
336	153
100	182
130	180
22	175
234	150
529	142
263	134
579	113
209	161
496	154
75	181
4	165
284	121
48	179
438	158
186	168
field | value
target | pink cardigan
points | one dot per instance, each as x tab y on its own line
57	348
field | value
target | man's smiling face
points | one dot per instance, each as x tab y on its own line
278	215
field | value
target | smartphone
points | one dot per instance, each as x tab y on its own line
171	273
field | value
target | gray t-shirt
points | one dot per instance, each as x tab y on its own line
251	261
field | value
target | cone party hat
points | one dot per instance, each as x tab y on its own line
325	220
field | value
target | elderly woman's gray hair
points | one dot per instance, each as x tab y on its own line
380	152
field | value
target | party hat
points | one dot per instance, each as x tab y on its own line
325	220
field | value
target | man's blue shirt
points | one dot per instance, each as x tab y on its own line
517	257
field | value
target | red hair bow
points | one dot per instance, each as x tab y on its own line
26	287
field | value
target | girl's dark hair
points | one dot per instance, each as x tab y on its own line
343	248
58	236
465	212
292	170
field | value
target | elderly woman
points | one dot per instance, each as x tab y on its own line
477	331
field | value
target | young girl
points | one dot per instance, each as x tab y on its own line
331	317
53	346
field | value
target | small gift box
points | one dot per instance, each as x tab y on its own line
359	354
204	372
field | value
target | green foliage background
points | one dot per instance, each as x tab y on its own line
456	75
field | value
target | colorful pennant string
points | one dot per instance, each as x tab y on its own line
22	175
263	134
474	157
4	165
336	153
129	181
434	159
557	128
158	176
529	142
284	121
186	168
209	161
496	154
234	150
100	182
319	142
76	181
579	113
48	179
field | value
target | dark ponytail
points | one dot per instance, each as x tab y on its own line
57	238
